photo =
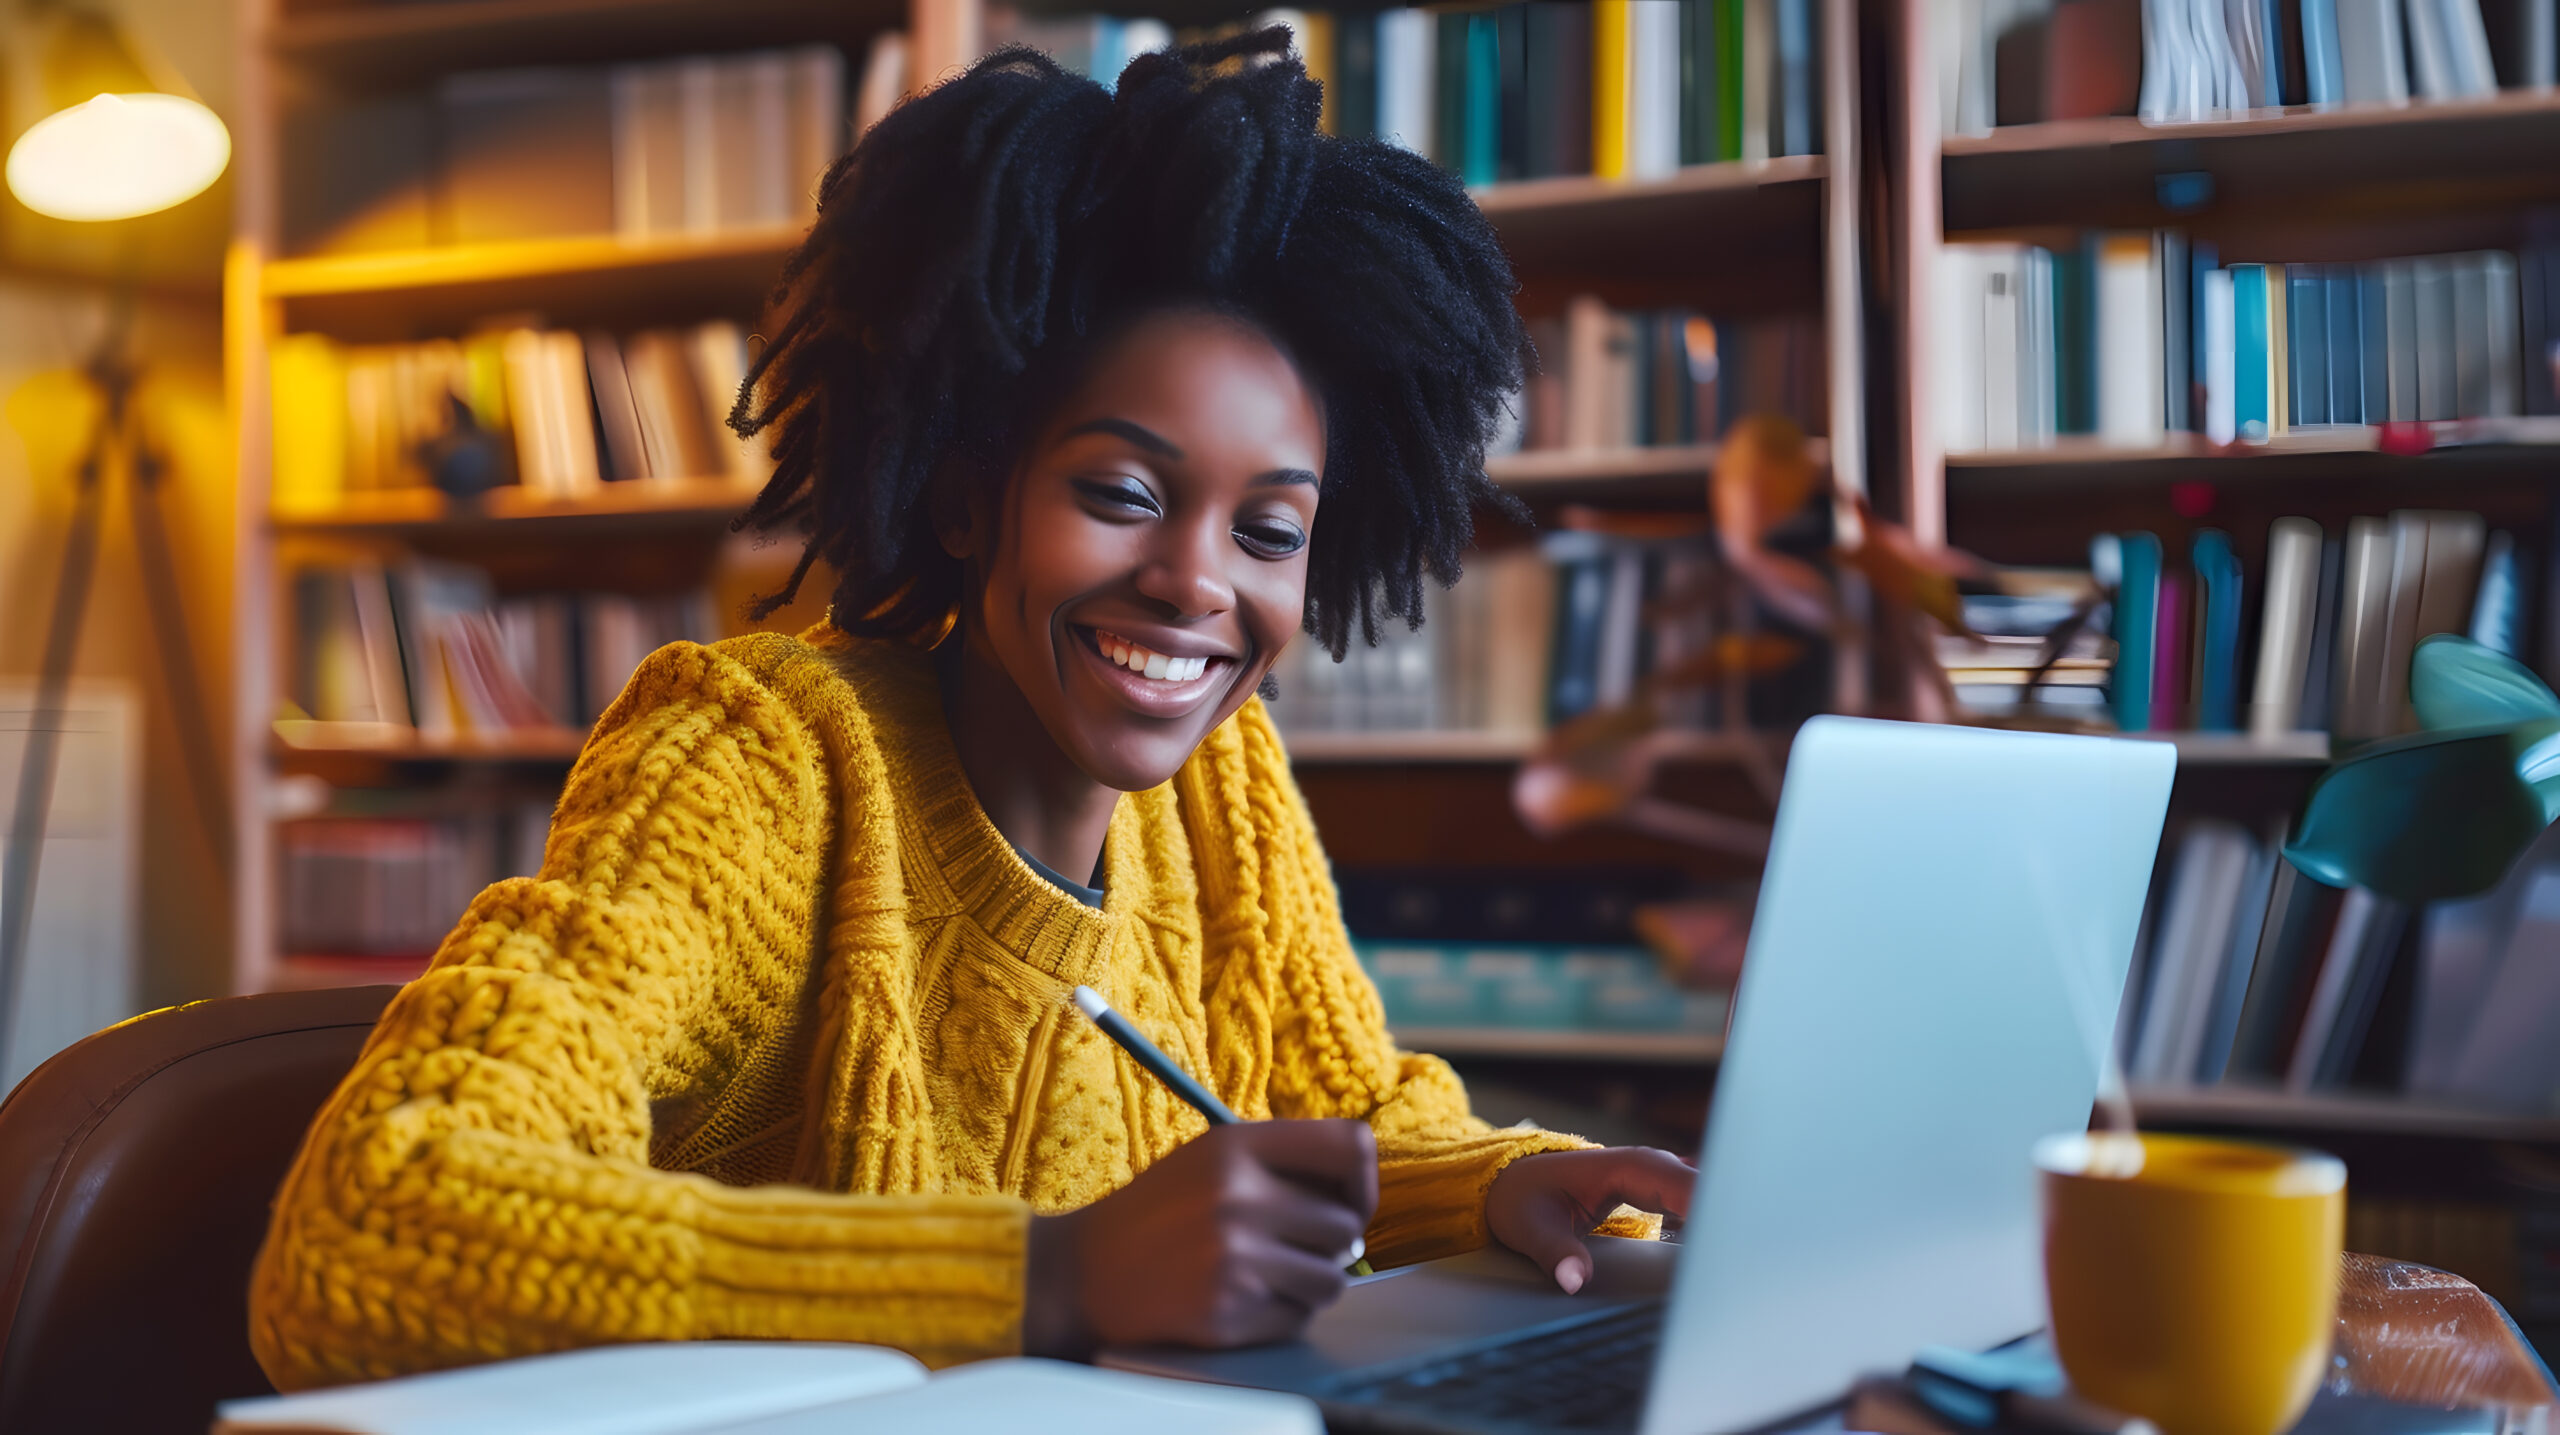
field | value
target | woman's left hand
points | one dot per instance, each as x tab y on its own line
1541	1205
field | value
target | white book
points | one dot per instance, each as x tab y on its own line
2244	23
1958	372
2284	634
2431	64
770	1388
2467	44
2227	73
698	120
2003	329
1407	40
773	188
719	353
2165	62
1653	37
2219	347
1621	627
2129	341
2371	57
2504	384
565	388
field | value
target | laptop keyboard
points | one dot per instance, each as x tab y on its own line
1590	1376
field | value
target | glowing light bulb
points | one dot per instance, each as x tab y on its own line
118	156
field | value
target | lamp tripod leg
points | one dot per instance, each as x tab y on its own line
19	864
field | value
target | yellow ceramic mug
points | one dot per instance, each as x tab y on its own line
2193	1282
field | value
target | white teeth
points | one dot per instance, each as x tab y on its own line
1149	663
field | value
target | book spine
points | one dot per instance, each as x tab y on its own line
2136	610
1482	158
2251	416
2284	633
1612	87
2307	344
2218	344
2320	60
2218	665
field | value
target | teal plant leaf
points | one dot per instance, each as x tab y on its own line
2445	812
2456	683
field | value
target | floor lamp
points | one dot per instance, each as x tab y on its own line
128	150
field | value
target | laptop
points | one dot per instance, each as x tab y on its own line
1941	941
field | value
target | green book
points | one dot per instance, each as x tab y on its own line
1481	161
1354	92
1728	70
1449	90
2075	332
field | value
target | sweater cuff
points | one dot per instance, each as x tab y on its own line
1431	1204
940	1277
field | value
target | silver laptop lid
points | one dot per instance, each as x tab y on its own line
1942	936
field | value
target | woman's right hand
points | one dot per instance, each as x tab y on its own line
1235	1238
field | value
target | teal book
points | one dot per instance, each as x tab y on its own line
2218	597
2250	407
1353	94
1482	149
1701	116
1449	91
2075	340
2137	619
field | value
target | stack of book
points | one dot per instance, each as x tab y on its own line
2133	336
2007	666
386	890
1612	378
2248	971
563	413
426	651
1529	951
1536	635
2009	62
698	145
2333	634
1623	89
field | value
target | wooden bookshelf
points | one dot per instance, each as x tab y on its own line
2251	1108
709	504
1670	474
1687	229
353	45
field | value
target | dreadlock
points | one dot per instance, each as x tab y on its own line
1018	213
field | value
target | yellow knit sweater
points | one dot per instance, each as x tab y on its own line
779	1043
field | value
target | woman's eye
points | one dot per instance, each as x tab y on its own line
1271	540
1119	493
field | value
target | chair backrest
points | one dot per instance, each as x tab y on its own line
136	1172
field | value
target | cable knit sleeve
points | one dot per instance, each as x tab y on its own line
1330	1054
479	1186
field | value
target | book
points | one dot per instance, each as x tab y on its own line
2218	603
701	1386
2372	65
2356	711
1613	88
2129	368
2253	912
2285	628
525	153
2136	609
2368	927
1407	64
2197	914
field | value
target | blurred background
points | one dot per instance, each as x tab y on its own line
2158	369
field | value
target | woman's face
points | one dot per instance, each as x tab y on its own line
1150	559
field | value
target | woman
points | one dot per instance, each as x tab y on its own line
779	1044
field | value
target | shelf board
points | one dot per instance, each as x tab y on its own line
2305	164
378	45
2484	448
1671	473
2273	1110
393	742
702	503
604	278
1345	749
1648	1048
1696	221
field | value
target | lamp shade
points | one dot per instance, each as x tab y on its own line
118	156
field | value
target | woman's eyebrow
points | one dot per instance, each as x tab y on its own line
1280	476
1143	437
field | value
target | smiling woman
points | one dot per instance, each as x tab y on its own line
1095	401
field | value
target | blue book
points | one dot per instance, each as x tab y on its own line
2137	623
2271	51
2322	69
2497	612
2373	331
2306	316
2346	350
2218	664
2202	258
2251	403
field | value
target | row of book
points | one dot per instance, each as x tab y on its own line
429	649
2008	62
701	144
2143	643
2248	971
388	889
2134	336
1623	89
557	412
1611	378
1535	988
1538	634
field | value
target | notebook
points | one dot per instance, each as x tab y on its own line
766	1388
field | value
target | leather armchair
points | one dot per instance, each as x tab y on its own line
136	1172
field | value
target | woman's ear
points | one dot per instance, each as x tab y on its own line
959	525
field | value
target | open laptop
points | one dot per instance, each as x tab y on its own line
1942	936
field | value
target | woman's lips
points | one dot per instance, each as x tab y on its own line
1124	667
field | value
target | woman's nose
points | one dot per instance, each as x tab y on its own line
1187	573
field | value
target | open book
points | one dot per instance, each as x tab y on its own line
766	1388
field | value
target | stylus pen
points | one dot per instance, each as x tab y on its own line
1181	1083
